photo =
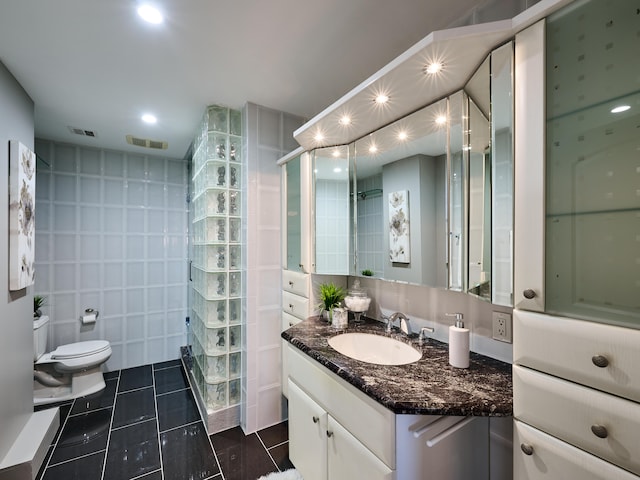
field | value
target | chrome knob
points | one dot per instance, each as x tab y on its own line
290	283
529	293
315	419
526	448
599	431
600	361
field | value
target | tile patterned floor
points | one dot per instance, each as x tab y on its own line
145	425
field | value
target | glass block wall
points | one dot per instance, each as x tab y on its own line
217	265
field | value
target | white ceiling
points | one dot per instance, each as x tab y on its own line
94	65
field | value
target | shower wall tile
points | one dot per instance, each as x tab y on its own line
111	234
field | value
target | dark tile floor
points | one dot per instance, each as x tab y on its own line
145	425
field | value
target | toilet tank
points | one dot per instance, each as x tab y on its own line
40	335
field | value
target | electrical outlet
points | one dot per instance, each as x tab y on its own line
502	327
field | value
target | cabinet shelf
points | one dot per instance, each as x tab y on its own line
594	212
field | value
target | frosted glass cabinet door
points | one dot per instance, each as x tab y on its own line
292	217
580	255
592	267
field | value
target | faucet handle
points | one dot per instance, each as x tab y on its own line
423	334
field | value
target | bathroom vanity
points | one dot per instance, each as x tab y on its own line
424	420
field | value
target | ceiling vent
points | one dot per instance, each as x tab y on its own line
145	142
82	131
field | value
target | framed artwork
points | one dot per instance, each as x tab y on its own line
22	191
399	239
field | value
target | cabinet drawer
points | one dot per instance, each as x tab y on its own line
597	422
289	321
566	348
295	305
367	420
553	459
296	282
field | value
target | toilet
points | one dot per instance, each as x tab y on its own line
70	371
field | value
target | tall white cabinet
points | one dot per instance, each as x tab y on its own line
577	316
299	286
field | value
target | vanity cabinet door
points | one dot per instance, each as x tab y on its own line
348	459
307	435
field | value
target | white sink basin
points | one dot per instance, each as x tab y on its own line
377	349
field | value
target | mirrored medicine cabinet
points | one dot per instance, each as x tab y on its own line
426	200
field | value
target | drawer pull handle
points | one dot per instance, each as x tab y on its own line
329	434
526	448
291	306
291	324
529	294
290	283
600	361
315	419
599	431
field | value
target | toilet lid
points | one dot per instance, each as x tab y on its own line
79	349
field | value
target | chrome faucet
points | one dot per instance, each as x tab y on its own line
404	323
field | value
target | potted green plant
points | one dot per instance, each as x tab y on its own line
331	296
38	302
367	273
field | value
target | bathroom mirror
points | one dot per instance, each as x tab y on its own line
331	204
399	200
478	153
502	175
457	184
463	240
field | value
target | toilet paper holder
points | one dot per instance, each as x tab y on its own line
89	316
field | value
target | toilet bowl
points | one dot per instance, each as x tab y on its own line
70	371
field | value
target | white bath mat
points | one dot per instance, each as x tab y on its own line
286	475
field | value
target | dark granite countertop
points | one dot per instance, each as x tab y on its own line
428	387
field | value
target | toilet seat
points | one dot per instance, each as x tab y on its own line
79	349
76	357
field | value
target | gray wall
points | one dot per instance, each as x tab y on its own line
415	174
16	308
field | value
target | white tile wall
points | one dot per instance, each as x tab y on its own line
111	234
268	136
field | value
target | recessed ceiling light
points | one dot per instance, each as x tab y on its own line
381	99
402	135
373	149
433	68
345	120
620	108
150	14
319	137
441	119
148	118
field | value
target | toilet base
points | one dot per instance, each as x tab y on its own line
78	384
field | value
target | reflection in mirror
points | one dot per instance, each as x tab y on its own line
479	181
502	174
457	193
400	199
331	210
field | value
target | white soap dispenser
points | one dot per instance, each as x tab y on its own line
458	343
